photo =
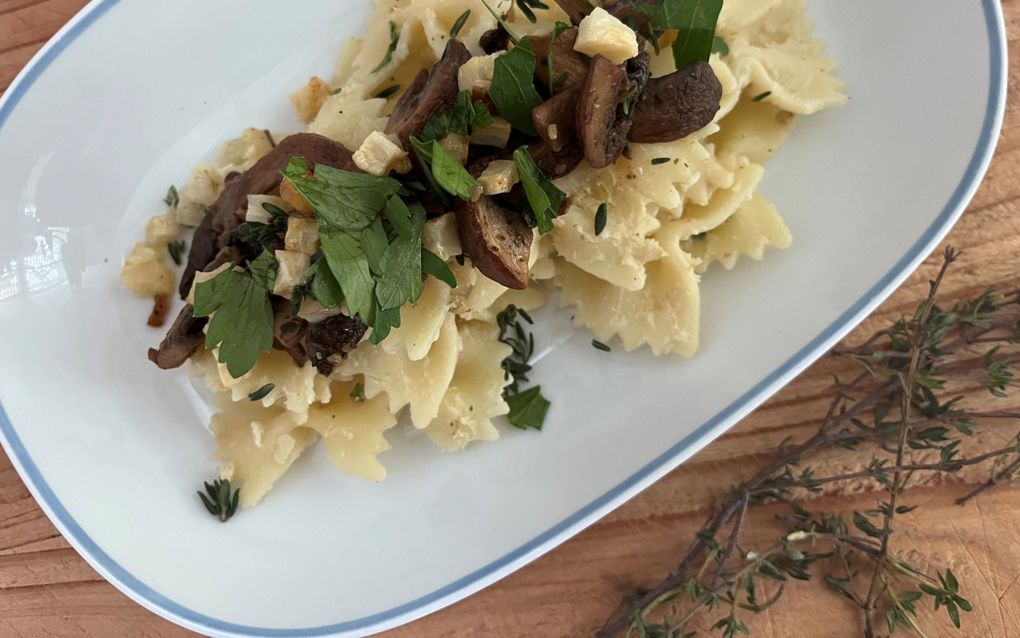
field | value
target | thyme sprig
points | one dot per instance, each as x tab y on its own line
219	500
901	408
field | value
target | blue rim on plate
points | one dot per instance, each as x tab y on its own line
156	602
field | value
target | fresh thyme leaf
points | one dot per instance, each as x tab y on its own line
264	268
695	22
242	318
528	409
459	24
761	96
388	92
598	345
527	8
173	198
719	46
219	500
661	160
433	265
262	392
358	392
450	175
394	40
277	216
513	87
337	91
502	23
176	250
699	236
601	217
543	196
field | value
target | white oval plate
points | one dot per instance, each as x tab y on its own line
127	96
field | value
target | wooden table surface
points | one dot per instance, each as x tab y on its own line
46	589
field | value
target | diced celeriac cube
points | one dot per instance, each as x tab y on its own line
201	191
498	177
145	272
379	155
602	33
496	134
290	272
302	236
257	212
440	237
476	73
161	230
202	277
457	146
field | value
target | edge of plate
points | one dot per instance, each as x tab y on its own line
660	466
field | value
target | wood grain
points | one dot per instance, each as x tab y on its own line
47	590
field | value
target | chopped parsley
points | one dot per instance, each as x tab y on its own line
543	196
464	117
695	22
719	46
242	318
513	87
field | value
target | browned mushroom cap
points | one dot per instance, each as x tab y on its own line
210	246
576	10
676	105
425	99
183	339
289	332
600	126
497	241
556	118
555	164
569	66
332	339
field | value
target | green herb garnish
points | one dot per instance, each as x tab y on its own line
388	92
761	96
450	175
543	196
173	198
394	40
601	217
337	91
513	87
695	21
459	24
433	265
262	392
661	160
463	118
527	7
528	408
176	250
358	393
502	23
242	318
598	345
219	500
719	46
